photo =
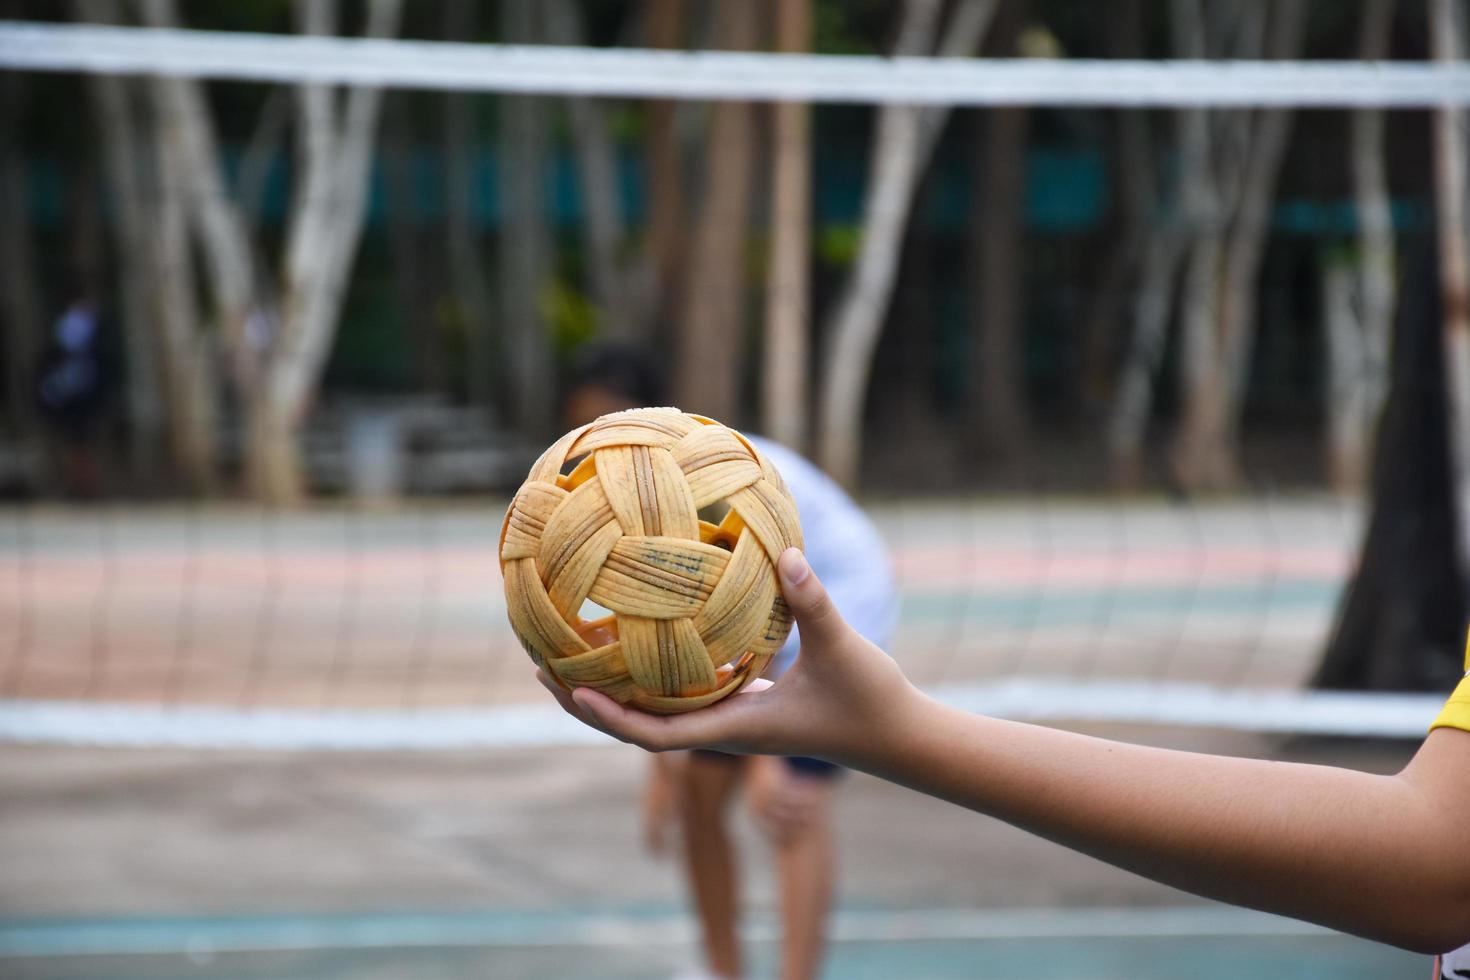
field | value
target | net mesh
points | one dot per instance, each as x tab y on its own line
337	626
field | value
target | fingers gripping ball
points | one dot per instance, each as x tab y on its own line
696	608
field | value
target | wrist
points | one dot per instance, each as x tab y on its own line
875	739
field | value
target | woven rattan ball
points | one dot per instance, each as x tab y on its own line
696	609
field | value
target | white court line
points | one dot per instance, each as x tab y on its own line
122	725
635	73
193	937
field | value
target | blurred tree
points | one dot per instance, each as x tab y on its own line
321	241
621	279
665	28
708	344
525	239
1358	295
1233	162
1129	221
462	218
415	262
1446	29
901	148
1401	623
1165	208
997	423
189	192
276	358
145	171
117	103
188	356
20	303
784	391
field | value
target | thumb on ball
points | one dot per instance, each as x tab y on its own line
815	612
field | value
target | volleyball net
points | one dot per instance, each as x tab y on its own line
231	626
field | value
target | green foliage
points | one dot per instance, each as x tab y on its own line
370	353
260	16
838	244
570	317
850	26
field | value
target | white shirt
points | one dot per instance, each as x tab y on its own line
843	548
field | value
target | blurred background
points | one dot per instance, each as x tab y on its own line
1162	406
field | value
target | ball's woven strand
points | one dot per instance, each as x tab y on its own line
696	609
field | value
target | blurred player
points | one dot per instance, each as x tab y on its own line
71	392
791	797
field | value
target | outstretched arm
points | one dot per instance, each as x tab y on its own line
1386	857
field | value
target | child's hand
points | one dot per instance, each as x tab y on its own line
841	695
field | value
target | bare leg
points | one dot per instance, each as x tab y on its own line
806	869
795	810
709	857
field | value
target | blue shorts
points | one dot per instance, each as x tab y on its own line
799	764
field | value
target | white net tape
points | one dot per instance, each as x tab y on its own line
632	73
512	726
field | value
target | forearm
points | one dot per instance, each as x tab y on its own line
1381	856
1353	851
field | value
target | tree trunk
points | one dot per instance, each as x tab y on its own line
1173	242
19	302
901	146
278	374
1202	456
466	262
1133	403
1128	227
221	228
326	225
1201	200
1220	312
709	341
270	451
1454	267
187	362
525	239
788	280
998	417
1359	307
1401	625
665	21
621	287
1402	621
1355	376
1246	246
190	169
118	120
112	98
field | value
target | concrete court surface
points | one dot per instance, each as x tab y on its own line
172	863
525	864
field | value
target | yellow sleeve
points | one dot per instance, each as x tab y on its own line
1456	711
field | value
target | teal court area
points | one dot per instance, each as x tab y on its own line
1127	944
